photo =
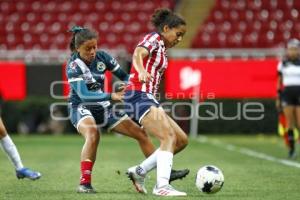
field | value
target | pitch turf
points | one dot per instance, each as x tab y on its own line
253	167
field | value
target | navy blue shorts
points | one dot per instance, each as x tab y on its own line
138	103
106	118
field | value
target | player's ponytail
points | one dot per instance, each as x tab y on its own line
163	16
80	35
74	30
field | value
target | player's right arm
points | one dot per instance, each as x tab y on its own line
137	60
87	95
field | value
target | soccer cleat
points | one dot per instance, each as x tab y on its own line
28	173
86	188
137	179
292	154
178	174
167	190
291	141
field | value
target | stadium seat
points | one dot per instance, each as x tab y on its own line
249	23
43	24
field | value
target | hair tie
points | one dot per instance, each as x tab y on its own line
76	29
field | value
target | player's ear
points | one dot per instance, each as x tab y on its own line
166	28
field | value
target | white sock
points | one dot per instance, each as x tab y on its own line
11	150
164	167
150	163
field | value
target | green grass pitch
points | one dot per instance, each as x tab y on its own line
248	175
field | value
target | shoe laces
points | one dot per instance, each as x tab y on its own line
168	187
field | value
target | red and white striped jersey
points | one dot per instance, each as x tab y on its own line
155	64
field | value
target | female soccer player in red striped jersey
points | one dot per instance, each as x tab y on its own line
149	63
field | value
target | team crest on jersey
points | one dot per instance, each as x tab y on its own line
101	66
73	66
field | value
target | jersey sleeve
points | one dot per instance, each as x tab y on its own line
87	95
149	42
74	73
111	63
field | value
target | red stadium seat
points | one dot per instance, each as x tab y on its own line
46	20
249	23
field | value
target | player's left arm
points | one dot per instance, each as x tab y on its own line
279	80
115	68
122	75
279	86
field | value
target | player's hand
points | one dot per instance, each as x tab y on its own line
121	86
278	105
144	76
118	96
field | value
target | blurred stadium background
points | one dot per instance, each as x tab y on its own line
231	47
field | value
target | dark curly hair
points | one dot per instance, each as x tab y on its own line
164	16
80	35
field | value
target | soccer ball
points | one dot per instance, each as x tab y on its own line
209	179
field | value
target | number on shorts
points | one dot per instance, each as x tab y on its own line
84	111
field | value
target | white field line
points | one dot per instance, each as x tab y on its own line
249	152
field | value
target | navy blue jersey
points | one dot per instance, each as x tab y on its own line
92	75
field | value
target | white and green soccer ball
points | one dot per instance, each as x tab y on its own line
209	179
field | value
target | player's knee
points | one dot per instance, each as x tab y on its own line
93	136
139	134
169	136
183	140
144	138
3	132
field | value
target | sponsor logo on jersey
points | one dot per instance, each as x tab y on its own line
73	66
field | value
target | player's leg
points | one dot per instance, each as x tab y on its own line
289	112
11	150
298	116
181	137
297	111
9	147
88	129
181	143
157	123
298	120
131	129
121	123
143	108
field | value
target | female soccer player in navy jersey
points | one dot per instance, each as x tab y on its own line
149	63
90	106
